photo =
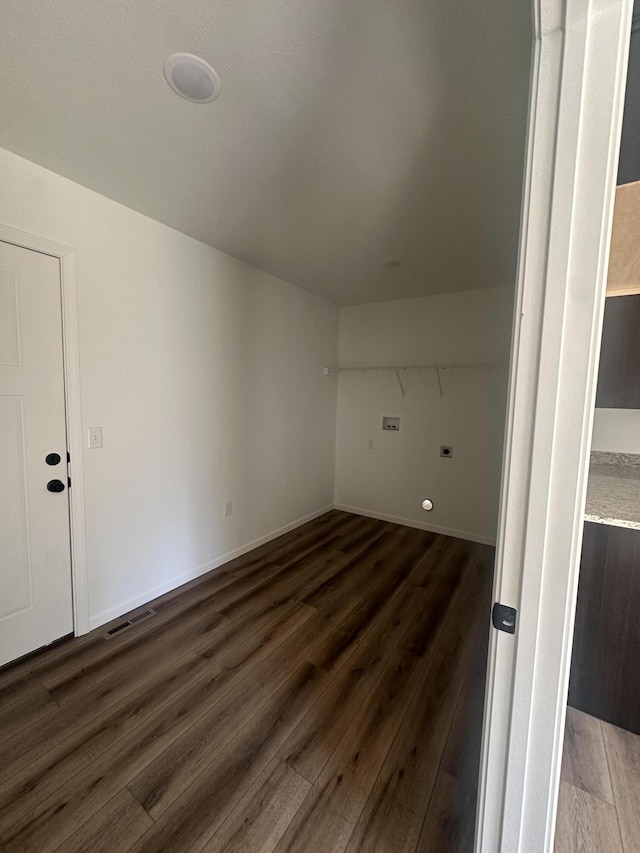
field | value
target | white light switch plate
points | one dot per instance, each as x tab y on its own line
94	437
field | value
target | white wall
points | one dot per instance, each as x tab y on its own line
206	376
402	469
616	431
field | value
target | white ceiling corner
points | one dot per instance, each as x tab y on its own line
347	131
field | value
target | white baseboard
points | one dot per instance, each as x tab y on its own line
419	525
105	616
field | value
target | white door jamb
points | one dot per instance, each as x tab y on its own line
577	94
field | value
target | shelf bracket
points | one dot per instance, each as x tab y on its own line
402	388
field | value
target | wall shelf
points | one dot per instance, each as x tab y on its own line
397	369
392	368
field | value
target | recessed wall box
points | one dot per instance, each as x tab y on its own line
391	424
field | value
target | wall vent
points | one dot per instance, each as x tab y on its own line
130	622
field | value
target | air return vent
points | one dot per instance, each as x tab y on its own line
130	622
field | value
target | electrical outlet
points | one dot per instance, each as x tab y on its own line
227	508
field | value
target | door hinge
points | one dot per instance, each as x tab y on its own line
68	456
504	618
68	482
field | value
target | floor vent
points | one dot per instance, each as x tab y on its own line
130	622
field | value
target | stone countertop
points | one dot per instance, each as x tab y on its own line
613	491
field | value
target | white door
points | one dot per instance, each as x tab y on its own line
35	557
575	115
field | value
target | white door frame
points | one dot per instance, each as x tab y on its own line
576	103
71	355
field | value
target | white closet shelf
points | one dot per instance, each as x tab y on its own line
440	370
392	368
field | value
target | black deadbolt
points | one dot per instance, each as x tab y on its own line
52	458
55	486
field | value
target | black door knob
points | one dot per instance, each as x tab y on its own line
52	459
55	486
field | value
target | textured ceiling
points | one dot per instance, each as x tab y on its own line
347	131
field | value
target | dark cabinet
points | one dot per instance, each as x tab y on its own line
629	163
619	375
605	665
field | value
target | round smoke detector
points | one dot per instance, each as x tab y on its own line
192	78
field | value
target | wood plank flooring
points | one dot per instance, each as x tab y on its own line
599	806
321	693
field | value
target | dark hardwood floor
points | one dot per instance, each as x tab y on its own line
321	693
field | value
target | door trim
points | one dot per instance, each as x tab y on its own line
71	361
575	118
